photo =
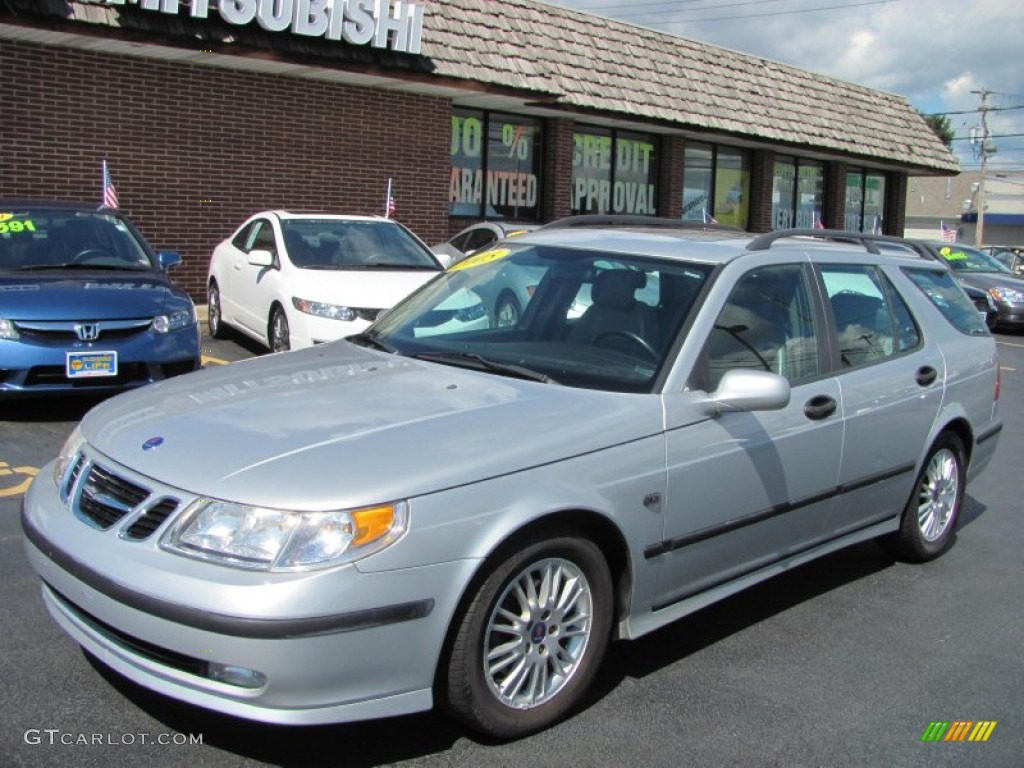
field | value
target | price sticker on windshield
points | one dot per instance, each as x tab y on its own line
10	225
950	255
480	258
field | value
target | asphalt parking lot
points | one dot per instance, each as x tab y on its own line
843	662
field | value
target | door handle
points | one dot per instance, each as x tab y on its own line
819	407
925	375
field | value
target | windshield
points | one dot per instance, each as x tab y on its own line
52	238
353	244
573	317
961	258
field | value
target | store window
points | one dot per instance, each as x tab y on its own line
614	172
495	166
864	209
797	193
716	185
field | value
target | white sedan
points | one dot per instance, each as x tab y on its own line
292	280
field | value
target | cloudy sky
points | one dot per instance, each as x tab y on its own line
936	53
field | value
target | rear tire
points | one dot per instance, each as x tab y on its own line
531	641
929	521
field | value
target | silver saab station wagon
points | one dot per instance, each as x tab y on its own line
412	517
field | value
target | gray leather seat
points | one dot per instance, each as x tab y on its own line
615	308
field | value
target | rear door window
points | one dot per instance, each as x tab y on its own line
948	297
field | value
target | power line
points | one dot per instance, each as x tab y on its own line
972	111
607	9
991	136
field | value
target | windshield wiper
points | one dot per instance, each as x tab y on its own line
480	363
371	340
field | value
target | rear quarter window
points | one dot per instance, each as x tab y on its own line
948	297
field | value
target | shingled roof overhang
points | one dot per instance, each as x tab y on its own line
534	58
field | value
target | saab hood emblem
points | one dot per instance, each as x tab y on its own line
152	443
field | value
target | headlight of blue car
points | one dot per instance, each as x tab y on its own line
259	538
181	318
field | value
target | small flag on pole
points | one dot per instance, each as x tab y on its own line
389	205
708	218
816	221
948	235
876	228
109	193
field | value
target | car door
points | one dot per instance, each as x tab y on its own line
891	383
254	286
747	489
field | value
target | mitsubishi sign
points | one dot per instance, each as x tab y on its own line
394	24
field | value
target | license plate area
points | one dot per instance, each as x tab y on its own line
84	365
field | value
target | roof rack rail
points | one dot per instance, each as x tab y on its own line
633	220
866	239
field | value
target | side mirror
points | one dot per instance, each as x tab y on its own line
746	390
168	259
446	259
261	258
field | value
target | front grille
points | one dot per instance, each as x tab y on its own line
106	498
147	650
62	332
64	337
151	519
103	498
127	373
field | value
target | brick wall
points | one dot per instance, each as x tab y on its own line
195	150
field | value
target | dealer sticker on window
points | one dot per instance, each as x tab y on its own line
82	365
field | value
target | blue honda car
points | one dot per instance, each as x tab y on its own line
86	304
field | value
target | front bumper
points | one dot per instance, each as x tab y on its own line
328	646
31	367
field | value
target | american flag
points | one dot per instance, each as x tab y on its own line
948	235
109	193
816	221
389	205
876	227
708	218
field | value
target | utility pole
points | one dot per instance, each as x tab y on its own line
979	234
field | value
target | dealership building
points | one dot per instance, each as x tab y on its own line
206	111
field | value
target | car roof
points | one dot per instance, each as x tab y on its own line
659	242
64	205
320	216
714	244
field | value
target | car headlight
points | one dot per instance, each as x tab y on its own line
181	318
1007	295
323	309
67	454
470	313
8	330
265	539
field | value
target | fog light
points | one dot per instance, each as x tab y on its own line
238	676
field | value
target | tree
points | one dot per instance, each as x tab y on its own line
940	124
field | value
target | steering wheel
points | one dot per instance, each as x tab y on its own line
90	253
640	341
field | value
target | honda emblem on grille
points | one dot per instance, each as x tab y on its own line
87	331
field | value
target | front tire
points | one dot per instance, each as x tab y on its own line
214	318
531	641
929	521
280	334
507	311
